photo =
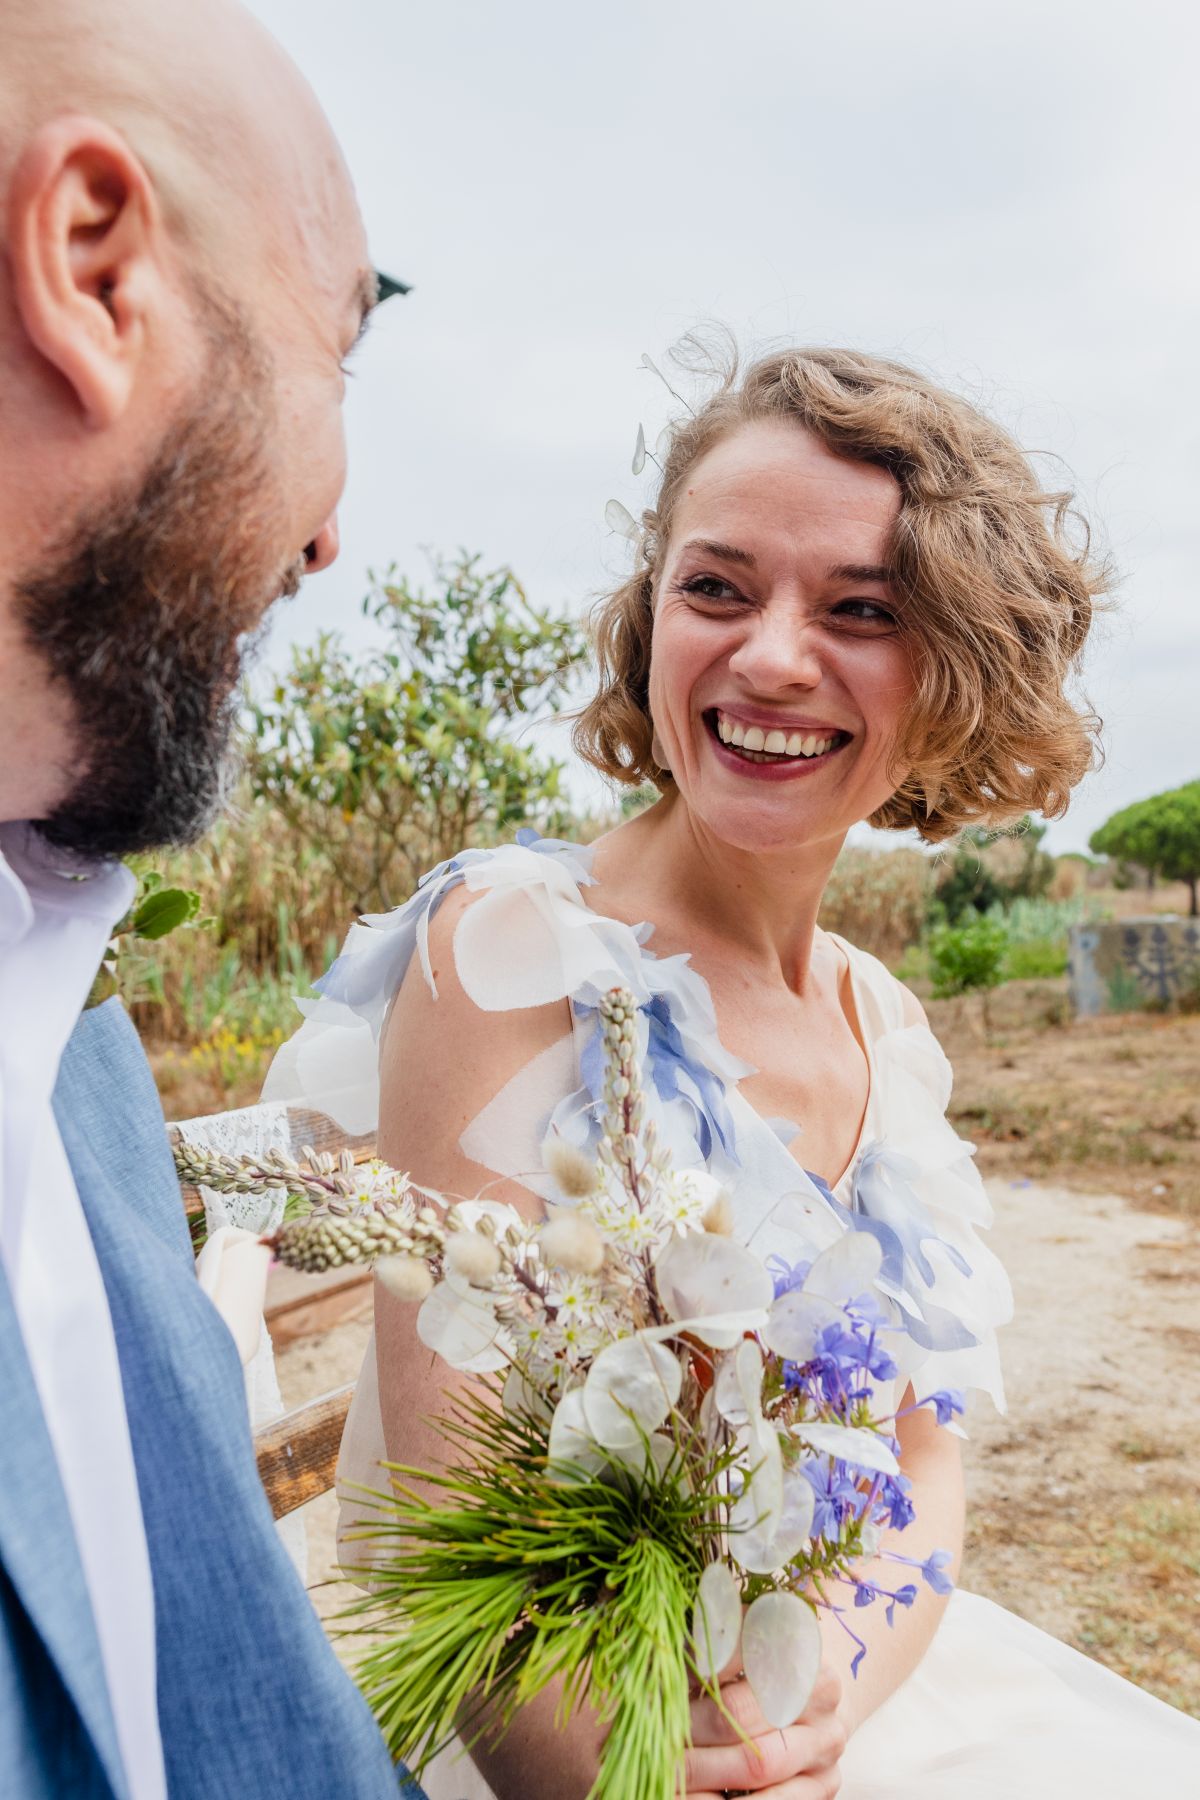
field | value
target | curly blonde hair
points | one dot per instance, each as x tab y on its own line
993	594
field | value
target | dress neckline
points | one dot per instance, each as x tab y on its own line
643	932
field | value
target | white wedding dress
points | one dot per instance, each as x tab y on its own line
996	1710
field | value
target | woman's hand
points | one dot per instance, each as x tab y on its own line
799	1763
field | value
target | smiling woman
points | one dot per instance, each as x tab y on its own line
852	601
969	595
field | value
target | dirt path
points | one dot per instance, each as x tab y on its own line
1083	1513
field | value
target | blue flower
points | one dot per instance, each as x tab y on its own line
837	1496
894	1503
946	1402
902	1597
934	1571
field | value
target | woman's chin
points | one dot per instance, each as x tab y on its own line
762	826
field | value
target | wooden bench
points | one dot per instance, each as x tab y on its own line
297	1454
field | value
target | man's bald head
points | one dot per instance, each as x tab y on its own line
183	270
241	156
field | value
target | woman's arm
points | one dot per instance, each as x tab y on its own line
932	1459
442	1061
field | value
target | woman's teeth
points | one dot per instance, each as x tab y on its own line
762	745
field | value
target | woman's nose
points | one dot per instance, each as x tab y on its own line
779	651
324	547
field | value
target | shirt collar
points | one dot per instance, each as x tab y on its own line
35	876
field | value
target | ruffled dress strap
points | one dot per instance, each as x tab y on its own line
331	1062
914	1185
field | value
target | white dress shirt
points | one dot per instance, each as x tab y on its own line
55	919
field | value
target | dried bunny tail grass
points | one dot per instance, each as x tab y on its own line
718	1219
572	1172
405	1277
473	1256
572	1243
995	594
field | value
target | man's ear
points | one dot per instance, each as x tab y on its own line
85	240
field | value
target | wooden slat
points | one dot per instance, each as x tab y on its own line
322	1302
297	1455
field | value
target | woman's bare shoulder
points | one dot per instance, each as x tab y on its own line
443	1057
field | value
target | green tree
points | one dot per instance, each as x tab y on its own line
1161	835
385	762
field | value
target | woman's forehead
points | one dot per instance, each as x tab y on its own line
771	481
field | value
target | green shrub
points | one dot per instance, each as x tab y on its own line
1035	959
967	956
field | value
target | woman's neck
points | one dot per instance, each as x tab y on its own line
664	866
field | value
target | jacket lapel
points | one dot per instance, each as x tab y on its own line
37	1546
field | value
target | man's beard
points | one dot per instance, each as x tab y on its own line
144	615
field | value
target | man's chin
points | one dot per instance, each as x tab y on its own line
102	820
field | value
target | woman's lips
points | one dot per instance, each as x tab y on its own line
760	766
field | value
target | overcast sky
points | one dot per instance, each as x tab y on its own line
1005	196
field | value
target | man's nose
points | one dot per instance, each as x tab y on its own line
324	548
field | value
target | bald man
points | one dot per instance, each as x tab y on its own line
182	271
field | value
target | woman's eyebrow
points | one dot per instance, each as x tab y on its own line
860	572
726	552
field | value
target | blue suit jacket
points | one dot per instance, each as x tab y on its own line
252	1702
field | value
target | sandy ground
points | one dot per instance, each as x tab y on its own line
1101	1367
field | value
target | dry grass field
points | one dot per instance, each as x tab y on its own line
1085	1500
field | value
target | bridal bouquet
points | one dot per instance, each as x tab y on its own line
669	1459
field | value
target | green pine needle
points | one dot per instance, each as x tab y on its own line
509	1578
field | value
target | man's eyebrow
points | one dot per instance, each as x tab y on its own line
726	552
365	298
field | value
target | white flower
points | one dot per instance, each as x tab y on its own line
849	1444
631	1387
773	1545
755	1515
849	1267
716	1620
684	1197
571	1442
702	1276
459	1324
521	1396
781	1654
718	1218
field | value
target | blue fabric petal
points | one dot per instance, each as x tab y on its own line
675	1074
882	1187
669	1062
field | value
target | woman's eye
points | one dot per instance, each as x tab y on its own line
709	587
865	612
